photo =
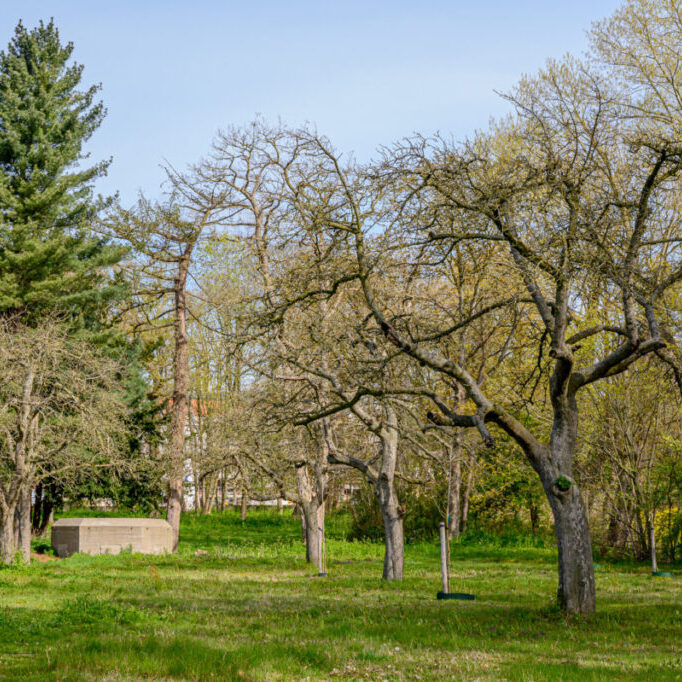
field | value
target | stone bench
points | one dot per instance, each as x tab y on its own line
111	536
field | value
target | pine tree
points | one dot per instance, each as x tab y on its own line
50	260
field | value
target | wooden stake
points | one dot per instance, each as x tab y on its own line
321	556
444	558
654	563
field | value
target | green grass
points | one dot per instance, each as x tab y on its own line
251	609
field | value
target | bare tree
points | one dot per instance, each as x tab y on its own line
164	237
61	413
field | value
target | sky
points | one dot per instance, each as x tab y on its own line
364	73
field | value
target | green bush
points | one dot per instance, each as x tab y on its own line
421	519
424	512
41	546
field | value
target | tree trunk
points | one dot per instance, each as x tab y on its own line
576	591
314	523
37	511
210	493
454	491
198	502
244	502
455	452
388	499
467	494
383	482
534	515
311	503
7	537
652	544
23	526
393	530
223	490
179	407
174	508
43	512
298	511
52	497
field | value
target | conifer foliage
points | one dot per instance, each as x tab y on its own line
49	258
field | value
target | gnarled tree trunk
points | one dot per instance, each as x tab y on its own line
391	510
311	503
576	590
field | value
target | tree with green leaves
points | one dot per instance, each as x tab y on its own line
50	259
54	265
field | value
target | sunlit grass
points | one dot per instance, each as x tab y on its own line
252	609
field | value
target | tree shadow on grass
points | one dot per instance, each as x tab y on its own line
174	618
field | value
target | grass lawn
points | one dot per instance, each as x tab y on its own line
251	609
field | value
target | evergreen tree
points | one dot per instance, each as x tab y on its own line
50	260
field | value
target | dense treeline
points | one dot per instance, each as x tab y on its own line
483	331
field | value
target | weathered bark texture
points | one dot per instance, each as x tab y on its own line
394	542
311	498
576	591
388	500
314	523
7	537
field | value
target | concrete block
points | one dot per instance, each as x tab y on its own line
111	536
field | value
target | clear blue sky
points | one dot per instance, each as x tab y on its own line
366	73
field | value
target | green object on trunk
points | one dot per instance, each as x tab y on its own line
662	574
563	484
